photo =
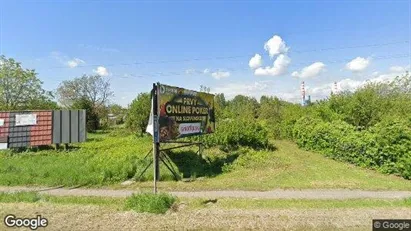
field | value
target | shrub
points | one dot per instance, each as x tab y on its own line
235	133
139	113
150	203
393	137
386	146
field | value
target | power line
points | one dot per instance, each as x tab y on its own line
232	57
173	74
231	69
170	74
353	47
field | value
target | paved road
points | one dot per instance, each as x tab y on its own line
274	194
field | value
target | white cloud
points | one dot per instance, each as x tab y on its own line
358	64
98	48
256	61
310	71
190	71
66	60
220	74
279	68
349	84
101	71
398	69
275	46
206	71
256	89
75	62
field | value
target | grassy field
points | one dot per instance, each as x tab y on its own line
108	159
101	213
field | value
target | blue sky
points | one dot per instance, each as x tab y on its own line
174	42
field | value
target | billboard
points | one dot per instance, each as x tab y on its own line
183	112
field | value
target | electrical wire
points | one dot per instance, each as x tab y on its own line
230	57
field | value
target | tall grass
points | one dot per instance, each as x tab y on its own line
150	203
103	159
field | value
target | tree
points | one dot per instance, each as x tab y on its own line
204	89
270	108
139	113
94	88
118	111
243	107
90	91
92	118
20	88
220	105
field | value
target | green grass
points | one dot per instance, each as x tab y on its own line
150	203
108	159
104	159
160	203
19	197
228	203
289	167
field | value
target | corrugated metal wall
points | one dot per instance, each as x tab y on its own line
69	126
50	127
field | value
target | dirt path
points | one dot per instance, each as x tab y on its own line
274	194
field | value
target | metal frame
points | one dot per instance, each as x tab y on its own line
160	154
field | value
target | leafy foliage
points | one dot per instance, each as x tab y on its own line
235	133
139	113
20	89
92	118
94	88
90	92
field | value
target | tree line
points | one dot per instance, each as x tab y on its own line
21	89
369	127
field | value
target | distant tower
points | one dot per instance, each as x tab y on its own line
303	94
334	89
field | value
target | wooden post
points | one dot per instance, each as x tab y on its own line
156	143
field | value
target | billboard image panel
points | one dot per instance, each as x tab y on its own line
184	112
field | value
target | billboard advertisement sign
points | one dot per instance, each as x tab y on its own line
26	119
184	112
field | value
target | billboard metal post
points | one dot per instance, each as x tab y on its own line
156	142
179	113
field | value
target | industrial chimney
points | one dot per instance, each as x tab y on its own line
303	94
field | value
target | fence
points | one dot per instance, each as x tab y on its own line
35	128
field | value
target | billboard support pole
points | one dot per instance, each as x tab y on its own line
156	143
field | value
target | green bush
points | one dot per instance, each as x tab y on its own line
235	133
150	203
393	137
385	146
139	113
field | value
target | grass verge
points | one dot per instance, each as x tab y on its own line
160	203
